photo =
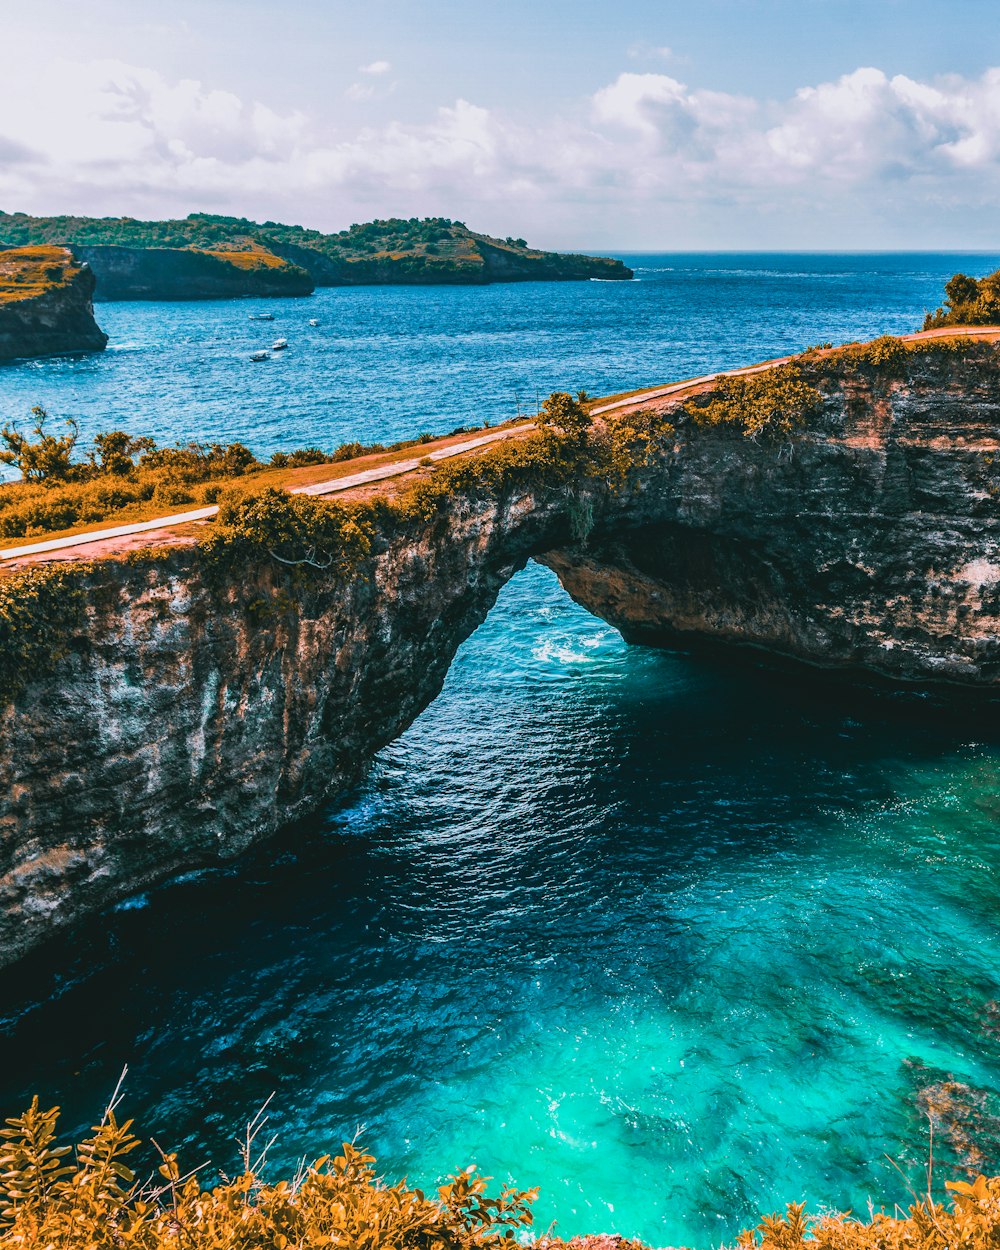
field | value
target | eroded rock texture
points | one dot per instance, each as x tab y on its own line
871	542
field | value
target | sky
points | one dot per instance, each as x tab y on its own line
627	125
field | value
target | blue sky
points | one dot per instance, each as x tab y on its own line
717	124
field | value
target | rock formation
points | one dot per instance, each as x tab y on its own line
46	304
191	273
193	712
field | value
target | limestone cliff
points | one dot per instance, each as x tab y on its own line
193	713
46	304
191	273
870	542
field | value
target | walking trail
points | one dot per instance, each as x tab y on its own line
401	467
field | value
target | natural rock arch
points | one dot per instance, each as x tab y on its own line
189	721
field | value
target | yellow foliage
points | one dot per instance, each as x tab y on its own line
776	401
56	1198
26	272
251	257
970	1222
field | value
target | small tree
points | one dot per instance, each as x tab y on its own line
961	289
115	452
47	458
563	412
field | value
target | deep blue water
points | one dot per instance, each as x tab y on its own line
676	941
387	363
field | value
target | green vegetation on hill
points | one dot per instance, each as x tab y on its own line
968	302
430	249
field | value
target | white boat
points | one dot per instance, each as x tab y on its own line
260	355
279	345
313	321
262	317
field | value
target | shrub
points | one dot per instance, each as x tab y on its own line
970	1222
968	301
564	413
171	495
54	1197
115	452
294	530
774	402
299	458
632	437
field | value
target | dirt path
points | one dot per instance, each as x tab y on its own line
335	486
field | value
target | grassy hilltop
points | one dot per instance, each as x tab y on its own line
413	251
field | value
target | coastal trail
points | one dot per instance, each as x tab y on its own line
117	537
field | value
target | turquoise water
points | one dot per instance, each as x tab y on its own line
674	940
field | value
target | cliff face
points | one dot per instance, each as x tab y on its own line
46	304
188	273
193	716
872	542
193	719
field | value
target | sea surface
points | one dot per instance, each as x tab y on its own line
677	941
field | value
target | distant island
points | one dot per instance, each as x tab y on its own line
46	304
205	256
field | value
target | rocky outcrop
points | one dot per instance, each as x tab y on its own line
871	542
46	304
164	273
194	713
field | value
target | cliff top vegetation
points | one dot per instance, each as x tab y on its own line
93	1194
27	272
431	243
571	455
968	302
125	477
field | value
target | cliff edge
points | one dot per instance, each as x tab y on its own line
46	304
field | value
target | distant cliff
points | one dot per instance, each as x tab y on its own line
190	273
195	256
46	305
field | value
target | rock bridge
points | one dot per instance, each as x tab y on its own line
187	720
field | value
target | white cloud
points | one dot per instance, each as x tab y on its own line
649	52
376	67
645	151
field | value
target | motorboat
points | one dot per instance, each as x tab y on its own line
262	316
260	355
313	321
279	345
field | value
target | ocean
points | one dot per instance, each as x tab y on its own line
676	940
